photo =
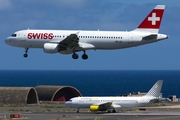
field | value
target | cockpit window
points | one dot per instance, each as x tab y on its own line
14	35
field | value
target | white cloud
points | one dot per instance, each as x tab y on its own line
5	4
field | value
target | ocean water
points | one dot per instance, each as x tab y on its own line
96	83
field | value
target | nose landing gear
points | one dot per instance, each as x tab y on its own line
26	51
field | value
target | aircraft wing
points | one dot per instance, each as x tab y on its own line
149	37
106	105
103	106
70	41
73	41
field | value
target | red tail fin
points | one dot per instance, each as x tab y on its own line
153	20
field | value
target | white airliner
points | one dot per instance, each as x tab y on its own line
72	41
111	103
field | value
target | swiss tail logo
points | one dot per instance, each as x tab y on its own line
153	21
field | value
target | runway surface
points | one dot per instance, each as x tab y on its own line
165	115
62	113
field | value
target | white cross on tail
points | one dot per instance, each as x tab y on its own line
153	19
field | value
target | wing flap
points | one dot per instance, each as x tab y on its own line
115	106
86	46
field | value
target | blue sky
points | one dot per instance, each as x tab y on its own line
89	15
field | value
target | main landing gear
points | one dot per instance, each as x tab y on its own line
75	56
26	51
77	110
113	111
84	56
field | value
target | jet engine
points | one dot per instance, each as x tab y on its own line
53	48
94	108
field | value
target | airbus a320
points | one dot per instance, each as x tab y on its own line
73	41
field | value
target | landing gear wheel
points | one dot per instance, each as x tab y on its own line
26	51
25	55
75	56
109	111
84	57
114	111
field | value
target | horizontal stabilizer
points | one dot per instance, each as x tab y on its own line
150	37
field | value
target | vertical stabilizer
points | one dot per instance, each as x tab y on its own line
153	21
155	91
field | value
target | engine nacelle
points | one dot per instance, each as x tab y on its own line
95	108
51	48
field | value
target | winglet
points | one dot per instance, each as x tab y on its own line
155	91
152	22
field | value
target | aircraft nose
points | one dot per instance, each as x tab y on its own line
7	41
67	104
